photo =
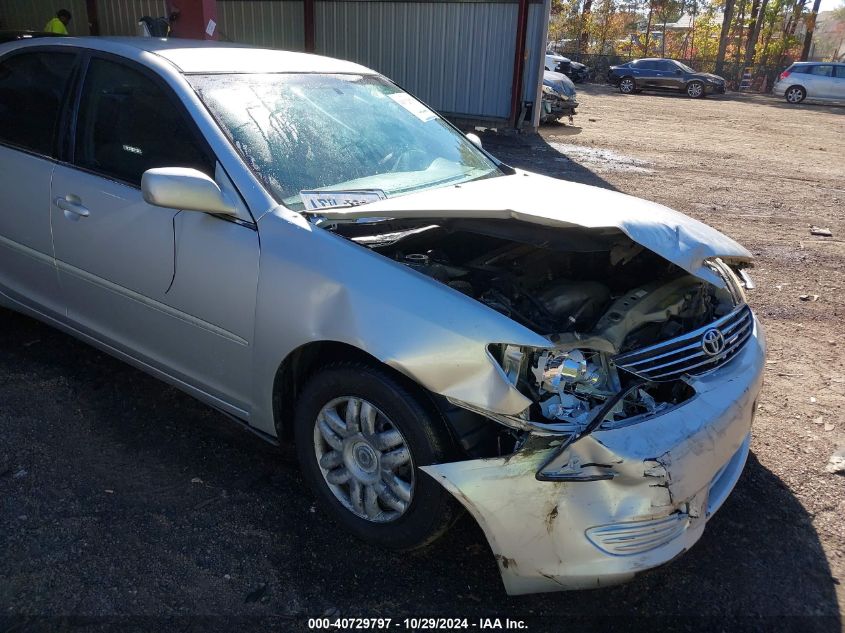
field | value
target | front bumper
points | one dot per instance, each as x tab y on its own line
644	494
716	89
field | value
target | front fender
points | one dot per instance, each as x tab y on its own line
316	286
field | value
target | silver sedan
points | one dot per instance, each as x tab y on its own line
300	244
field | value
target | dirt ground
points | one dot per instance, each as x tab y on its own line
120	496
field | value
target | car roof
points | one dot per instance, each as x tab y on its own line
201	57
818	63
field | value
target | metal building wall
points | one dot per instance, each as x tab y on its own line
456	56
120	17
268	23
34	14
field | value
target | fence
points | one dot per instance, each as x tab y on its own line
762	76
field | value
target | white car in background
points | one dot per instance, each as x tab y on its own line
811	80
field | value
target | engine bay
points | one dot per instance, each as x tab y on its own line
595	294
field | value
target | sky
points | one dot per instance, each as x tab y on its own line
828	5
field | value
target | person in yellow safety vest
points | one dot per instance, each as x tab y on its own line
59	23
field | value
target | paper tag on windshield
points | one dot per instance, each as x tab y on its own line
413	106
316	200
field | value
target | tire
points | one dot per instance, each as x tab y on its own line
412	510
695	89
627	85
795	94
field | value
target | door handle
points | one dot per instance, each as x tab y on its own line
69	206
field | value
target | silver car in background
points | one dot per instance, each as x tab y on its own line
811	80
300	244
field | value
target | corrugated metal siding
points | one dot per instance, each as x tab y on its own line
456	56
33	15
536	44
267	23
120	17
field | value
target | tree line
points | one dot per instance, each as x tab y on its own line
755	33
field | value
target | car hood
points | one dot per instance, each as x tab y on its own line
711	76
553	203
559	82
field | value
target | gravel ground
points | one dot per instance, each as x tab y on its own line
120	496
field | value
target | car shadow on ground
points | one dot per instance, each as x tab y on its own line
123	496
532	152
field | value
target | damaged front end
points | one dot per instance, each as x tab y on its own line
639	407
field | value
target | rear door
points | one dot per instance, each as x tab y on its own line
173	289
33	87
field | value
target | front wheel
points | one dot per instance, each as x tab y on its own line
795	94
627	86
695	89
361	436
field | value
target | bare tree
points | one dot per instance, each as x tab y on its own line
584	38
758	14
811	27
648	26
724	36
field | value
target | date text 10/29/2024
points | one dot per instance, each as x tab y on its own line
416	624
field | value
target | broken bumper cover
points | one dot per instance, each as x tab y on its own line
638	496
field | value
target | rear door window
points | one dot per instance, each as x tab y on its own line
33	87
822	71
129	123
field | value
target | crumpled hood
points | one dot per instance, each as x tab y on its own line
559	82
553	203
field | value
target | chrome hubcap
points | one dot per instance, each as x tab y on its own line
794	95
364	459
627	85
694	90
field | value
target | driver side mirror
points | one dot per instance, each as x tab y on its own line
185	189
474	139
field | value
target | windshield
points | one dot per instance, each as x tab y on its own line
684	67
307	132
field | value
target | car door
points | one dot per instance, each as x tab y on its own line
820	82
647	74
838	86
174	290
673	77
33	85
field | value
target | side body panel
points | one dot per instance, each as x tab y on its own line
317	286
27	270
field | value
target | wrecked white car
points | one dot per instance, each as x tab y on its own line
302	245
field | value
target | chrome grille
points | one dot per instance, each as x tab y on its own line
692	353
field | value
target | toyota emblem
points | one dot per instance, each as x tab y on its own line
713	342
